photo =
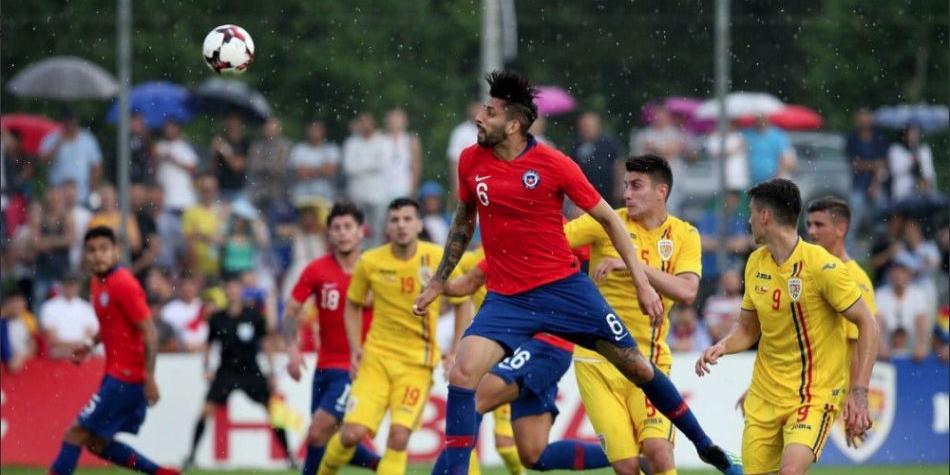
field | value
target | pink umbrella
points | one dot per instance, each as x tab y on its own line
797	118
554	100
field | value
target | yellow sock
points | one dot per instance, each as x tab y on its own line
393	462
473	467
671	471
336	456
509	455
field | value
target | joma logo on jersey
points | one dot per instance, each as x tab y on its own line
759	275
801	426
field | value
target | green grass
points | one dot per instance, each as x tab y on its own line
422	469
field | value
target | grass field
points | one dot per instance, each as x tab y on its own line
422	469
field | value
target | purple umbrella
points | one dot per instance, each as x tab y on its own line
554	100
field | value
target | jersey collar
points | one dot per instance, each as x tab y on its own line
531	144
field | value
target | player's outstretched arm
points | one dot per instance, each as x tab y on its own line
460	234
467	284
647	297
856	416
743	335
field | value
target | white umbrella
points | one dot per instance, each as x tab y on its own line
64	78
741	104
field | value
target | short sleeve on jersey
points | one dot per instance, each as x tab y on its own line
132	300
837	285
359	285
690	257
465	161
304	286
583	231
578	188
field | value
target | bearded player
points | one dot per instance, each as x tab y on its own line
627	424
328	278
796	294
128	333
517	186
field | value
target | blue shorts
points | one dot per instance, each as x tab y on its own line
331	388
117	407
571	308
536	367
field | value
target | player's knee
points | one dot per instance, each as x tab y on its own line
529	454
76	436
464	375
398	438
641	370
352	434
630	466
319	434
659	454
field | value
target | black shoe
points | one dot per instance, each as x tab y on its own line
724	462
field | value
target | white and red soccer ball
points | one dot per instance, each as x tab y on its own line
228	49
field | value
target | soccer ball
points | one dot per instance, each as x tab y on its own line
228	49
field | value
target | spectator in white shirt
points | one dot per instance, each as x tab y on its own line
68	321
184	315
405	154
81	217
177	163
315	163
365	159
463	136
911	165
906	320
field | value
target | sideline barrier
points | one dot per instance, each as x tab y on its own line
910	404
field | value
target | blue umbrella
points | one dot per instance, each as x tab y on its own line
158	101
930	118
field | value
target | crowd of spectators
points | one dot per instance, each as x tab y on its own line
252	202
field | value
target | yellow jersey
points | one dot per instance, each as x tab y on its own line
802	350
673	247
396	332
867	292
469	261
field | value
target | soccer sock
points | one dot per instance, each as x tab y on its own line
509	455
336	456
312	461
125	456
571	455
473	467
65	463
670	403
667	472
281	435
364	457
393	462
460	427
196	438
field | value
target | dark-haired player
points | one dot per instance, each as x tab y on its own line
625	420
517	187
327	278
394	368
131	343
794	294
240	330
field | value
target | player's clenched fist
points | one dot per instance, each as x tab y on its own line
710	357
431	292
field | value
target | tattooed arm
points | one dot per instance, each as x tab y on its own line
463	227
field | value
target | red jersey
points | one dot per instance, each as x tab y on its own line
325	279
120	306
519	210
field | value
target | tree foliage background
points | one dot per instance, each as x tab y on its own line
332	59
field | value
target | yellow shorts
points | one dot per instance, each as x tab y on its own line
384	384
770	427
502	417
607	395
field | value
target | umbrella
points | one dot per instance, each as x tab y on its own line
739	104
797	118
930	118
227	96
554	100
64	78
158	101
32	129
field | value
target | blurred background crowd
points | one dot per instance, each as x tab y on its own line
249	201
